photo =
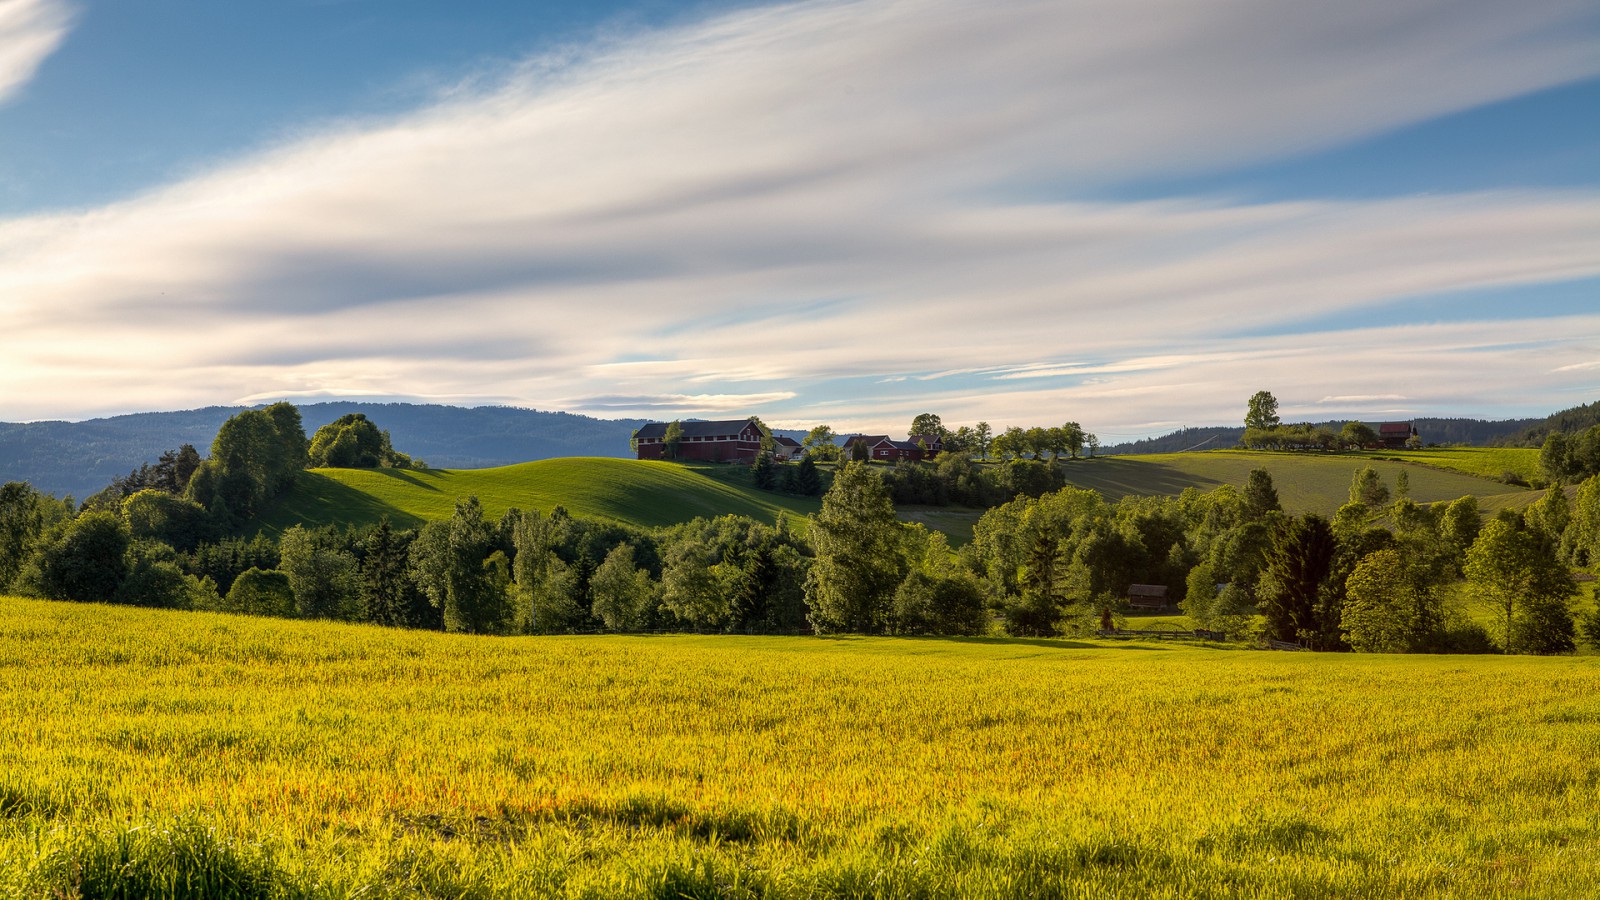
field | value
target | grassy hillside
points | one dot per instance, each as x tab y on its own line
144	749
650	493
1306	482
1486	462
639	492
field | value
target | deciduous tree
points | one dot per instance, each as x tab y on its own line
672	440
324	575
1262	412
448	564
622	592
1391	605
84	560
926	424
820	444
1513	568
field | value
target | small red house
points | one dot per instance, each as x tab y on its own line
881	448
1395	435
736	440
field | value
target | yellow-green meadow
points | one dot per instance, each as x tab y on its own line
197	754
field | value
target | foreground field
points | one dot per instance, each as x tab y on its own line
258	758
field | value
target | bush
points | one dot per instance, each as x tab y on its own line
262	593
1461	635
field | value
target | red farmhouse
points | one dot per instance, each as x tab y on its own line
880	447
1396	435
738	440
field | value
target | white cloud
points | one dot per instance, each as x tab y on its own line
30	30
755	211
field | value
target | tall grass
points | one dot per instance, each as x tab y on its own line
204	755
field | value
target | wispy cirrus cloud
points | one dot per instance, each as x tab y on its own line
30	30
773	208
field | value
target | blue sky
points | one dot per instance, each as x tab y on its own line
1130	216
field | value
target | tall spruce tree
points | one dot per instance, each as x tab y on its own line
858	560
1291	587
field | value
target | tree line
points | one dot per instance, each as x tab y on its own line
1050	560
1265	430
1372	578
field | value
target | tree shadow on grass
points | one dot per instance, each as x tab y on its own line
319	500
1046	643
414	478
1116	478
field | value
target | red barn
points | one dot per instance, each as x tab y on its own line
735	440
1395	435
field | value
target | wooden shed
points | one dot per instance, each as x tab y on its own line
1147	596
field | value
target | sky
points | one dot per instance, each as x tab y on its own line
1128	215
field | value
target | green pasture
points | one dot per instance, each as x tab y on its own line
637	492
161	754
652	493
1485	462
1305	482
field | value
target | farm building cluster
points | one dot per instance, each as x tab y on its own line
739	440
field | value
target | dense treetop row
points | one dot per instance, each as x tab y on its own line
1045	559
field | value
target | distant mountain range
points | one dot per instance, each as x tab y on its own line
80	458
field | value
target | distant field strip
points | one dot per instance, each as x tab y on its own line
1489	462
315	760
637	492
1305	482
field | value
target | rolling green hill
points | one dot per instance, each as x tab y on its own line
649	493
1306	483
637	492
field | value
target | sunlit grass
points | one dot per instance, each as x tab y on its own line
637	492
330	760
1488	462
1306	482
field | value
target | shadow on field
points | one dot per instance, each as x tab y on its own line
1116	478
986	641
318	498
1050	643
411	477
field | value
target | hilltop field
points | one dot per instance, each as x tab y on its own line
152	753
636	492
1318	483
651	493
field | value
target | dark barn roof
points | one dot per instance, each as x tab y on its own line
696	429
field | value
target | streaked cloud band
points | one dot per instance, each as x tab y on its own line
781	207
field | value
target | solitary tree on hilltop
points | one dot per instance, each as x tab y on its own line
927	424
1263	411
